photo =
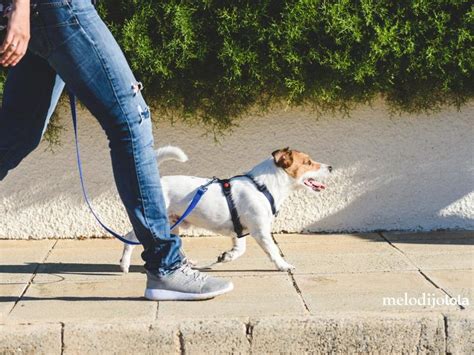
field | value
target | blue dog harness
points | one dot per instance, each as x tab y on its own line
225	184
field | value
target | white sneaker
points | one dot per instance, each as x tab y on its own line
185	284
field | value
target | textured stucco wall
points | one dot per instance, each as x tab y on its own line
403	172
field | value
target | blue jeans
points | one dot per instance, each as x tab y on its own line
70	44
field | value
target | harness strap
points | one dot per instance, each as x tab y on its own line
226	190
264	190
225	184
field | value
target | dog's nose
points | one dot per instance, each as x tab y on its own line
330	168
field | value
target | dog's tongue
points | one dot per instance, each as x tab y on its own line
315	185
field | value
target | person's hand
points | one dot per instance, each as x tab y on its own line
18	34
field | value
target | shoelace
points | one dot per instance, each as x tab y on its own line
189	271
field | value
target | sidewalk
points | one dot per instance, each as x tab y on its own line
69	296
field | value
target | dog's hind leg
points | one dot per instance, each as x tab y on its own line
240	245
263	236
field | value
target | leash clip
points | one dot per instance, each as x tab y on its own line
204	187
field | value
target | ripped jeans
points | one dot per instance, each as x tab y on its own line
70	44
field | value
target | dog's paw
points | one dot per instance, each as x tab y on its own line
124	267
225	257
285	267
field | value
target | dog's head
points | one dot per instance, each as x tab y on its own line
305	171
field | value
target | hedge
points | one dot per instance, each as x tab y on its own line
212	61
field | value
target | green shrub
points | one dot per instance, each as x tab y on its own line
212	61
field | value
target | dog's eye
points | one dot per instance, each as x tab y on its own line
308	162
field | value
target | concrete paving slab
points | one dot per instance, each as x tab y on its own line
120	338
63	301
442	237
98	243
390	334
308	262
20	258
442	261
443	250
366	292
252	296
338	239
87	260
326	253
9	294
227	336
103	311
211	247
460	333
205	250
458	283
444	247
336	245
95	259
28	244
30	339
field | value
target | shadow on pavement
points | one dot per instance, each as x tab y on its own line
68	268
70	298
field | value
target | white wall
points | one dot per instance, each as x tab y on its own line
405	172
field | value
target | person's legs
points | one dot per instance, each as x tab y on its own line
80	48
83	52
32	90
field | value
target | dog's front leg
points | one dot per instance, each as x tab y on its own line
265	240
126	256
240	245
127	252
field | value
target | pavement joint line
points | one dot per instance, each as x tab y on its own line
157	310
293	280
33	275
62	337
182	348
461	307
421	272
445	321
249	332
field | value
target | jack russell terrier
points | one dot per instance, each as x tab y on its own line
250	204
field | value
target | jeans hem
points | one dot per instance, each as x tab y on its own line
163	271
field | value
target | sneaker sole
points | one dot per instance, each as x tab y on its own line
167	295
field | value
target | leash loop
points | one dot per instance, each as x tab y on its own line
72	102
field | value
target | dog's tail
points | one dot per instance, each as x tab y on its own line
170	153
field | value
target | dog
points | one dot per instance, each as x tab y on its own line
283	173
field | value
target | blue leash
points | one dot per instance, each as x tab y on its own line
197	197
194	202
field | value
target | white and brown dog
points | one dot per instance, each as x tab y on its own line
286	171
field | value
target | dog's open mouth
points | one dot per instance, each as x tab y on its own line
313	184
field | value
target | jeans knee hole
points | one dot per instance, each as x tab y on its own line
143	112
137	87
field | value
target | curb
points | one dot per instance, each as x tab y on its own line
351	333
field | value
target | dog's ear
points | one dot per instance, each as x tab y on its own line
283	157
